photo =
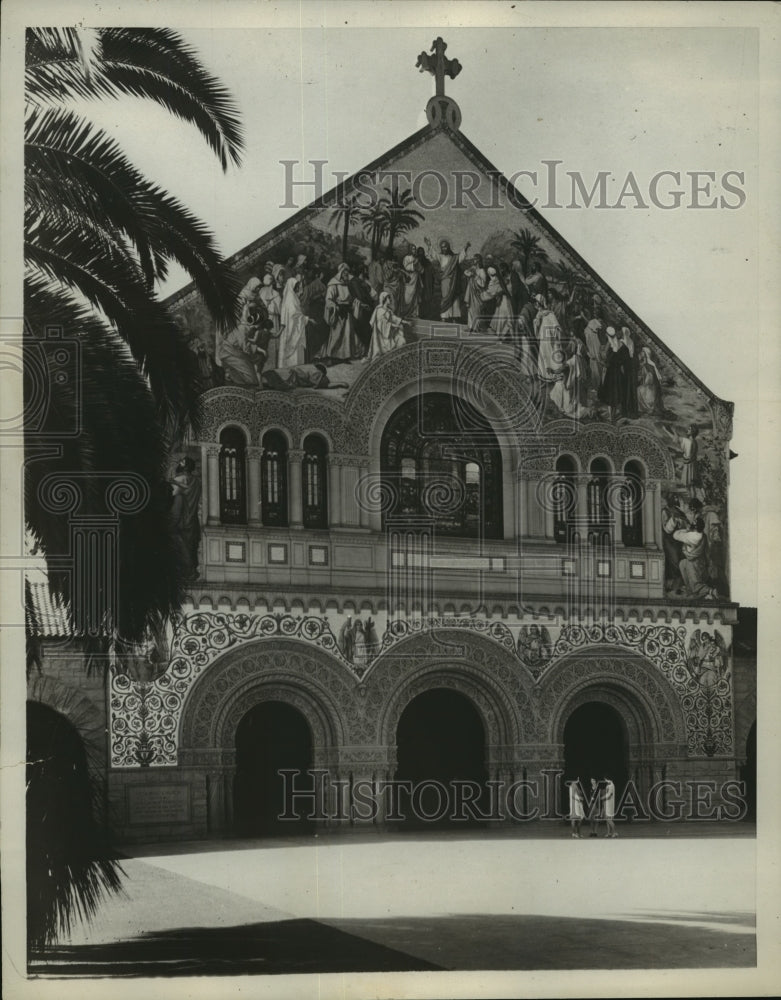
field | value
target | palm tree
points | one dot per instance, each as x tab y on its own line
401	217
342	217
374	221
98	238
528	246
570	279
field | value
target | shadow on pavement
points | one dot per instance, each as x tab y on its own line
283	946
401	944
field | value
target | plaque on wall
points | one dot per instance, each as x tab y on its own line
157	804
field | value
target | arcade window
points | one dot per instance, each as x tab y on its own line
564	497
631	500
600	516
314	482
440	462
273	476
233	465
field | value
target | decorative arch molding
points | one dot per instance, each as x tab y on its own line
476	666
260	411
637	725
78	709
425	367
225	406
620	444
239	425
655	714
266	670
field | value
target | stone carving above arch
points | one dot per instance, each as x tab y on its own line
228	405
621	443
310	679
465	661
470	372
627	673
258	690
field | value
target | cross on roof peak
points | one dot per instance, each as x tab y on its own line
437	63
442	111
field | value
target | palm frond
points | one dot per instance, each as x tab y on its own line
119	431
62	150
151	63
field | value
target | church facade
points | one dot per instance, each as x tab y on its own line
455	515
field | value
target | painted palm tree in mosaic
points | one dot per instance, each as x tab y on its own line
528	247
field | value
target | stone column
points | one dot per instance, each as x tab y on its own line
216	804
204	511
334	492
363	513
652	515
581	514
295	459
253	486
213	480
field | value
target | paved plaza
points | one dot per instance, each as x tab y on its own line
657	897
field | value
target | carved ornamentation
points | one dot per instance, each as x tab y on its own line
198	640
620	443
683	701
457	658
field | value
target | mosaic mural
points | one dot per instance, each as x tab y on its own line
371	266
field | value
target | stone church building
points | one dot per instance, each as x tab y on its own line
459	516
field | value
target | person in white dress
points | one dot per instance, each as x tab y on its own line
609	807
292	322
576	811
386	326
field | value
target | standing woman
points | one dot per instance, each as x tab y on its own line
609	807
293	322
594	807
576	813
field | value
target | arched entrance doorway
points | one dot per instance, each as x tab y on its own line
595	746
69	861
748	774
271	737
440	738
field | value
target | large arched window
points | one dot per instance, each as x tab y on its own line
233	466
632	495
314	482
564	497
441	460
600	517
273	475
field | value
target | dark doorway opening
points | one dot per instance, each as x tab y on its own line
271	737
440	738
595	746
748	774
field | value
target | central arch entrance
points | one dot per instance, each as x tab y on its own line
596	746
270	738
440	738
